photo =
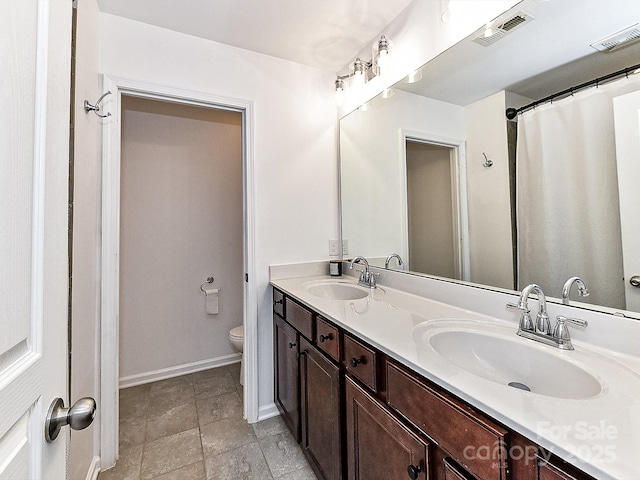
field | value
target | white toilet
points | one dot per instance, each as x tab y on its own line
236	339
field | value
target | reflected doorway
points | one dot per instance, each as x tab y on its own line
434	241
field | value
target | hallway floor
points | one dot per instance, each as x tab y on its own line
191	428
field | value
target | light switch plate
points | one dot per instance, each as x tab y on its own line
333	247
345	246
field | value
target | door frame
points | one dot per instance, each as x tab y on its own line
459	194
110	247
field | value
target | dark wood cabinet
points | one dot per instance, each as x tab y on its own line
362	415
287	391
320	411
379	447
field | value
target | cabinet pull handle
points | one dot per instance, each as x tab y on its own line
277	302
355	362
291	344
324	338
413	471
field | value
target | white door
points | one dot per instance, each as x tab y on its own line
35	51
627	130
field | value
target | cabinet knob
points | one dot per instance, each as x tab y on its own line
291	344
413	471
277	302
355	362
324	338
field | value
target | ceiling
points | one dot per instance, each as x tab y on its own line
546	55
325	34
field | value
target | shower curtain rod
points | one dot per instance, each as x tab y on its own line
513	112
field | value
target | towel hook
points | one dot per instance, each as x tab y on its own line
208	280
487	163
96	108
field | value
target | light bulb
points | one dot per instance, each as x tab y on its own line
339	91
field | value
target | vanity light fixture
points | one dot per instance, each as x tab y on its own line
361	72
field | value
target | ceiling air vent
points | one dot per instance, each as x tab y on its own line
620	39
502	29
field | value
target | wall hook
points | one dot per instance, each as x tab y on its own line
96	108
487	163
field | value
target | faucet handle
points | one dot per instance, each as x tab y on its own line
561	332
519	306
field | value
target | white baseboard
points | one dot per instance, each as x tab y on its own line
162	374
94	469
268	411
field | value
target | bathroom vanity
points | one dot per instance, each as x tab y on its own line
367	400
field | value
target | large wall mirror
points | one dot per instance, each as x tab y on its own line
435	172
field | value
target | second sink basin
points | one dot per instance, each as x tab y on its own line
336	290
510	361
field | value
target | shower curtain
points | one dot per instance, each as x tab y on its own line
567	195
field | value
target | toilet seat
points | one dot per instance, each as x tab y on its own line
237	333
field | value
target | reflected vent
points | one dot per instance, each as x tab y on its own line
490	36
617	40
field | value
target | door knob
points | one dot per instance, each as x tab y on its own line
635	281
78	417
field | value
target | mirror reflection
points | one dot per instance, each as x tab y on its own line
437	174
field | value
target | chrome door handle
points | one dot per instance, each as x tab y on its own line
635	281
78	417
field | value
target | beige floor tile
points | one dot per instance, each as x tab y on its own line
304	473
168	398
211	372
213	386
224	435
244	463
195	471
127	467
137	392
170	453
269	427
175	420
282	453
170	383
219	407
132	432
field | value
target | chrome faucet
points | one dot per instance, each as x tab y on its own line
542	318
566	290
367	279
393	255
541	330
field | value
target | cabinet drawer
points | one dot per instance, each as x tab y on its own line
454	472
278	302
561	471
299	317
472	440
360	361
328	338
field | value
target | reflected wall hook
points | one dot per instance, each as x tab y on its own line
487	163
96	108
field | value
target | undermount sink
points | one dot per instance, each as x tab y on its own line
510	361
336	290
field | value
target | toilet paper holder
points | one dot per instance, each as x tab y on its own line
208	280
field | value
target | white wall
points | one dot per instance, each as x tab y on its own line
180	222
86	240
488	192
294	141
373	223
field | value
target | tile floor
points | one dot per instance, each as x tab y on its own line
191	428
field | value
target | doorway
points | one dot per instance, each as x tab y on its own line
180	223
435	206
111	221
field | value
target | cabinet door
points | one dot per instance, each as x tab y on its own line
379	447
286	374
320	411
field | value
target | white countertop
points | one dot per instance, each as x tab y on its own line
600	435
